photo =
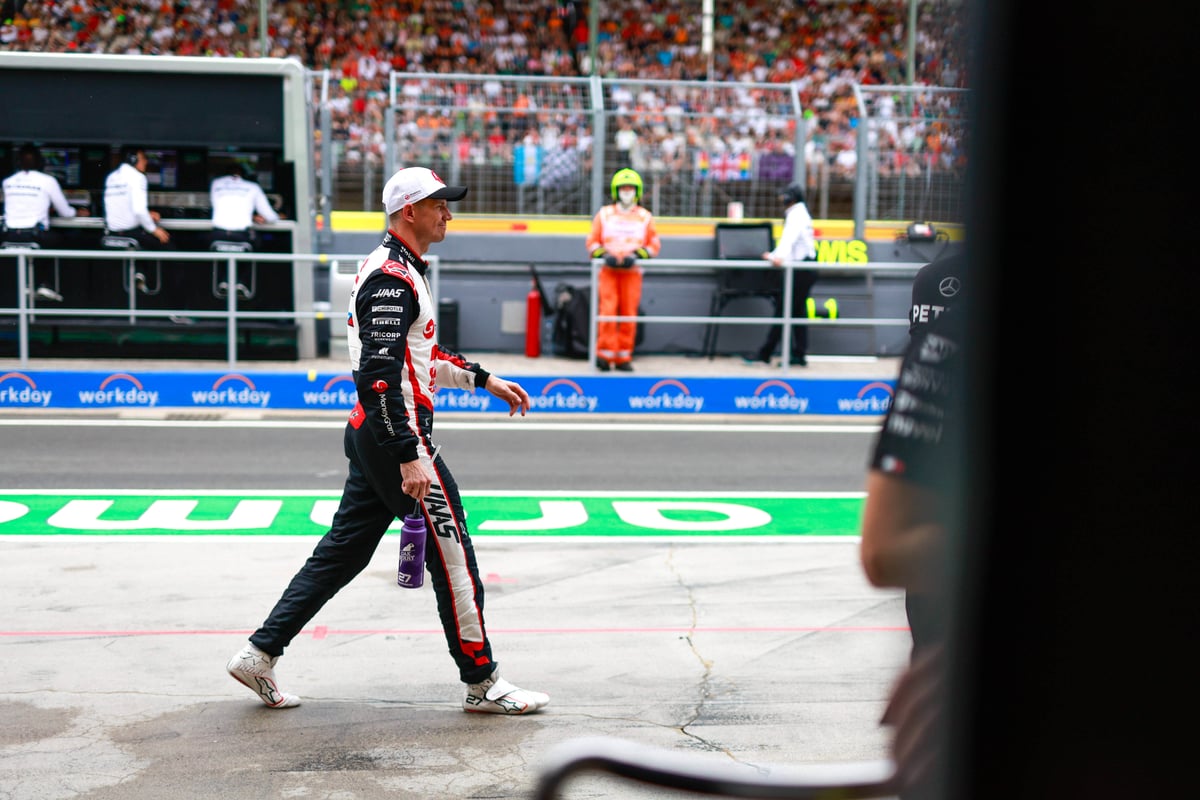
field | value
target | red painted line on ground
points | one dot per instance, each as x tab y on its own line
322	632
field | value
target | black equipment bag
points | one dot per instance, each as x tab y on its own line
572	321
572	315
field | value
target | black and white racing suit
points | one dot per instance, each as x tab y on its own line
397	367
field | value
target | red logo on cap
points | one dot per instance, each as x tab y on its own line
436	177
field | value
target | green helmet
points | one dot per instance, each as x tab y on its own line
626	177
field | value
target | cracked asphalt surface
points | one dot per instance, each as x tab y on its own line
782	655
755	653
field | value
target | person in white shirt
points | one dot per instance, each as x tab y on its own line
237	204
29	194
797	242
126	203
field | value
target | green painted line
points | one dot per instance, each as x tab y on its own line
630	514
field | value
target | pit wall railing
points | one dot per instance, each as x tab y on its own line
28	309
866	271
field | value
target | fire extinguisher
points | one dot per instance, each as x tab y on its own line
533	323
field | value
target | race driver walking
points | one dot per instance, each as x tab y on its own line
393	464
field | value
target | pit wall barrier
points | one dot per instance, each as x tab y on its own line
607	394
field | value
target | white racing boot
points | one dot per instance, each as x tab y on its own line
497	696
256	669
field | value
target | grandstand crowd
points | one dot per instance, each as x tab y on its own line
822	48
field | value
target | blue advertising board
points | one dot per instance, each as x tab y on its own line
552	394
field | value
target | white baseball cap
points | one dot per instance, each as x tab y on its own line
413	184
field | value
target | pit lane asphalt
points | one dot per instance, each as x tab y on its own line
751	652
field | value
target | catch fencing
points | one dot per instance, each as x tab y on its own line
533	145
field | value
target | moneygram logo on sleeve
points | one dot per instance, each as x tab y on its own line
18	389
119	389
661	397
240	392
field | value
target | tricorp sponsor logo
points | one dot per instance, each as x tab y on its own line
333	393
18	389
772	395
662	398
563	394
247	394
119	389
873	398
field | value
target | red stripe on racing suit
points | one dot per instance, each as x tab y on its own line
397	367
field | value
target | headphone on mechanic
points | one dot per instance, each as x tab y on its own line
30	157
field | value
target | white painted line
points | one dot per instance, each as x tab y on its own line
464	493
442	425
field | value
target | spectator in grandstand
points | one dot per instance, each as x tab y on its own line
29	196
126	203
560	166
796	243
629	144
622	234
823	48
395	470
499	150
471	148
237	205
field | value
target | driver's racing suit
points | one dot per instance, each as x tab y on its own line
397	366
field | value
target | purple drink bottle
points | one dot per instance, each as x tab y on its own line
411	574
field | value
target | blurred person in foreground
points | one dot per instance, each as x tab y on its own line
915	486
394	466
623	234
935	288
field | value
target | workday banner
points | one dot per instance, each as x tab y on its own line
600	394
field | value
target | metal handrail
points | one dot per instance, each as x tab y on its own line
786	319
24	311
231	314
